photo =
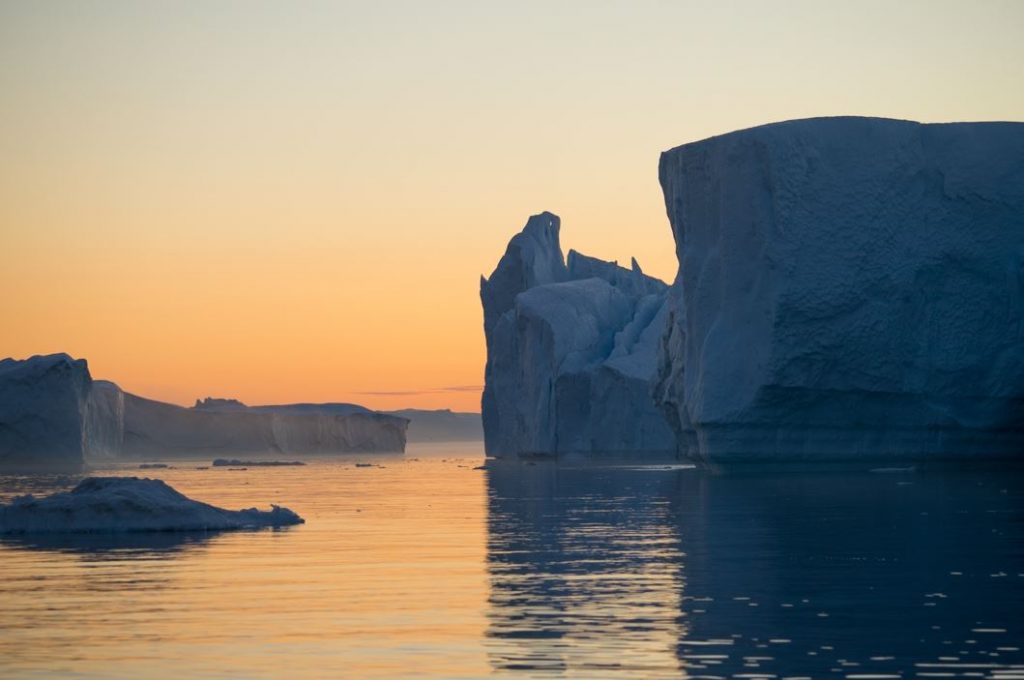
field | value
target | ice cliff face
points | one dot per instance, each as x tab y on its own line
104	422
571	351
43	410
848	288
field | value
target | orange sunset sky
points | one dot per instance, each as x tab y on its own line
285	202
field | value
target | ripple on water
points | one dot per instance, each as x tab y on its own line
429	566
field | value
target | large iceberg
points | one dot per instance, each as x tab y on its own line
571	352
124	504
43	410
848	289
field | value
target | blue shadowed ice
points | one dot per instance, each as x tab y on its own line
129	504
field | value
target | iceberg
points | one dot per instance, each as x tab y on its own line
53	414
129	504
43	410
848	289
571	352
153	428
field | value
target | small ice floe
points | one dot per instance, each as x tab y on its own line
714	642
234	462
894	470
126	504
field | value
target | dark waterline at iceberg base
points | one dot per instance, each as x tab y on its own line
428	566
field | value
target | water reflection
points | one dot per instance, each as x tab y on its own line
12	485
585	569
656	572
111	545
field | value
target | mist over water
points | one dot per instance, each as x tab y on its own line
427	566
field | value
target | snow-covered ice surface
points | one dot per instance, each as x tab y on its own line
848	289
129	504
571	352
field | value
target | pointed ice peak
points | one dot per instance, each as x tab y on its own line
545	226
533	258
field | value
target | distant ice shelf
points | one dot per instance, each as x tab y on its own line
54	415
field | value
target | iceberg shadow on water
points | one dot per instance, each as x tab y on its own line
163	544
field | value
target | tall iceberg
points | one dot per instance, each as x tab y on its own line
571	352
848	289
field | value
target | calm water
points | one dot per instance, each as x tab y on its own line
428	567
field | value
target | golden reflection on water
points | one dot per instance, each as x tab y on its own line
425	566
586	579
386	578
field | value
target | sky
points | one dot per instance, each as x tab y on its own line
280	202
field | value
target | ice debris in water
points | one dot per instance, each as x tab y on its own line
124	504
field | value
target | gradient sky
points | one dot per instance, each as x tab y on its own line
280	201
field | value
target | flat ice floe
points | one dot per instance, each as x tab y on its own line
127	504
235	462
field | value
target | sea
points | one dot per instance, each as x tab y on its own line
437	564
